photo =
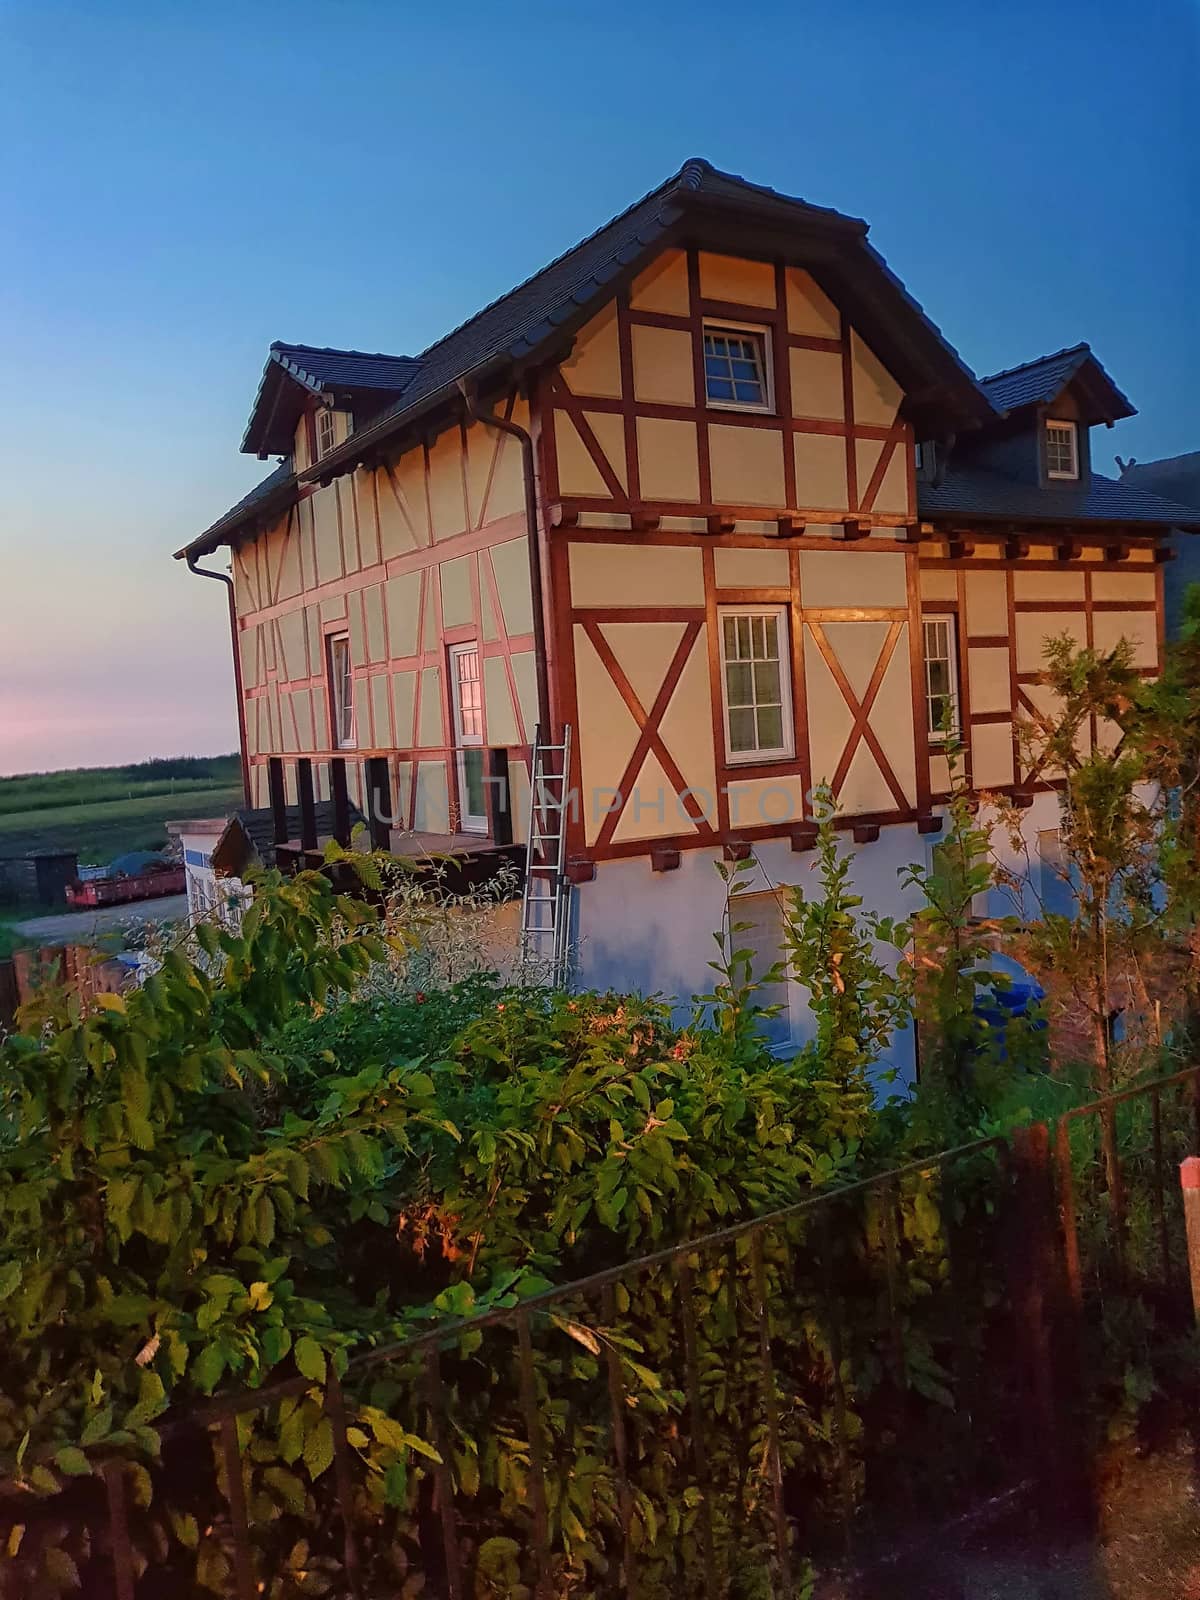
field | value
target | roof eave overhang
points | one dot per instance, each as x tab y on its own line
267	432
1099	399
944	396
384	437
1099	396
230	527
1125	526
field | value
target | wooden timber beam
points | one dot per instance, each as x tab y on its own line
788	527
644	521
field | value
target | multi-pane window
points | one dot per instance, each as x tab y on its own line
754	669
1061	458
735	368
941	677
467	700
326	432
341	691
469	692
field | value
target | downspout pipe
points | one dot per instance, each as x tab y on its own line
522	435
223	577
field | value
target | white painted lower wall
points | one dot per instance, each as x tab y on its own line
205	890
652	932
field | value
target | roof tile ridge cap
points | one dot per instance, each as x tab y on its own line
337	350
786	199
1082	348
660	192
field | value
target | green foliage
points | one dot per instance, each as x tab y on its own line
236	1175
731	1008
965	1057
1108	834
164	775
1165	731
162	1231
857	998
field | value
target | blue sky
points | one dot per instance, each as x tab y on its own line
185	183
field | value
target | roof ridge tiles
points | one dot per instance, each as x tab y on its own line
676	179
338	350
1038	361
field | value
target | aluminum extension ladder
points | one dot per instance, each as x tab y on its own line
546	900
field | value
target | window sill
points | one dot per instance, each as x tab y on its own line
756	758
735	405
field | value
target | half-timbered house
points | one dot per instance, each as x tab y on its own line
709	498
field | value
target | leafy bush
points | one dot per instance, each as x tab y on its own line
226	1178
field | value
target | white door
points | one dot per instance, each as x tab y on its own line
466	692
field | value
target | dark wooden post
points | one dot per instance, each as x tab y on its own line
278	798
1045	1323
498	793
341	801
308	810
1189	1180
379	803
9	997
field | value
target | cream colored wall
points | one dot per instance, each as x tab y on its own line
829	391
608	732
611	581
1084	599
381	554
631	575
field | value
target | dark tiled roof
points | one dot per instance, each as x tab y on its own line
1174	477
279	485
518	323
1036	383
515	325
974	492
294	371
320	368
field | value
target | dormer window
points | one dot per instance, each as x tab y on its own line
1062	453
735	367
326	432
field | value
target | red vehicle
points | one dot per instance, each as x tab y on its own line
116	891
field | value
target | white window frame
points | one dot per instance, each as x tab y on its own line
469	821
341	693
326	441
787	750
723	325
1071	430
939	736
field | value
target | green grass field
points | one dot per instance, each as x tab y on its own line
103	811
